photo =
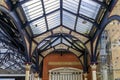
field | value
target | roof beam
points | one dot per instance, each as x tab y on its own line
77	15
7	29
72	44
44	13
61	12
41	17
50	43
80	15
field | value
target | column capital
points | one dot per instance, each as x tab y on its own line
93	67
36	75
27	67
85	75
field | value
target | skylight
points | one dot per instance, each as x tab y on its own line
44	15
89	8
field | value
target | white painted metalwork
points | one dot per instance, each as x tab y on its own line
65	73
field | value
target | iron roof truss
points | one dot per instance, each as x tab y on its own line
45	15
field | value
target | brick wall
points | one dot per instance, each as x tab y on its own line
56	60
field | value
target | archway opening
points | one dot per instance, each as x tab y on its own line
109	51
56	62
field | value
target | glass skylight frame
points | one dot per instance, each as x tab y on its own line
68	20
30	6
56	42
51	5
68	14
53	20
83	26
89	8
38	26
71	5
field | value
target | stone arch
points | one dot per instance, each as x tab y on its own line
110	19
56	61
47	52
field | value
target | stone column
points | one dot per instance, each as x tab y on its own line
94	75
36	76
85	76
105	73
81	76
27	68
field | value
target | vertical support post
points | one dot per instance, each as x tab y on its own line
105	73
85	76
36	76
94	75
81	77
50	75
27	75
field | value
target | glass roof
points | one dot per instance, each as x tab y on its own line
89	8
73	18
44	15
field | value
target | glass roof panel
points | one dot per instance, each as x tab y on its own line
71	5
38	26
51	5
68	20
53	19
83	26
41	44
89	8
33	9
48	14
56	42
66	42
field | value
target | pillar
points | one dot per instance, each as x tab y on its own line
36	76
105	73
94	75
85	76
27	68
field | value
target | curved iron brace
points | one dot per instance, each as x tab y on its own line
36	66
64	36
11	35
13	16
102	25
114	17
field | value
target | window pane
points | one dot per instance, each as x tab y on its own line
51	5
41	44
71	5
89	8
56	42
66	42
83	26
68	20
38	26
33	9
53	19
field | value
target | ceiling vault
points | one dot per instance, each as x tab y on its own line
41	27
